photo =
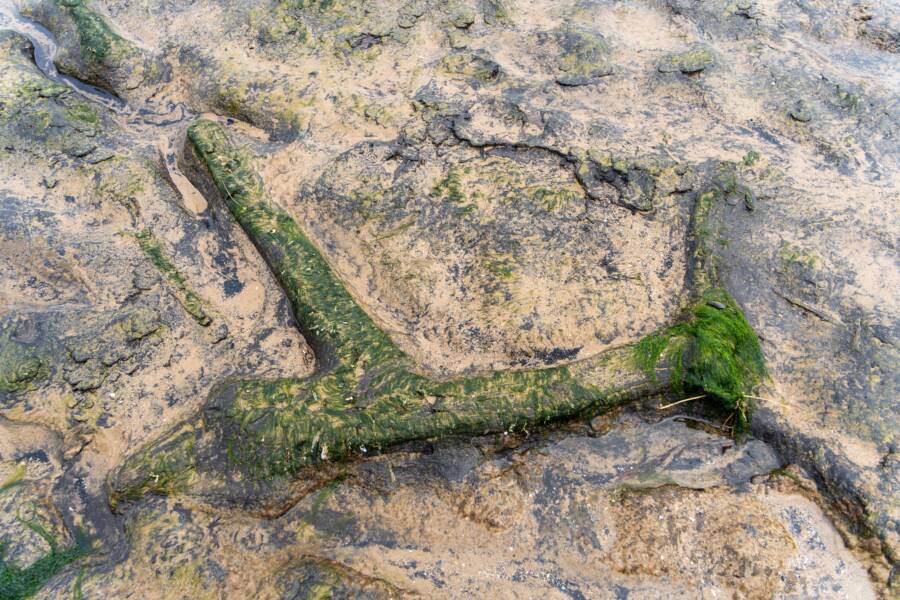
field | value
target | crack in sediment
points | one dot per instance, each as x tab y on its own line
581	166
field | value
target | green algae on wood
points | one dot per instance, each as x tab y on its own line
155	252
366	393
713	349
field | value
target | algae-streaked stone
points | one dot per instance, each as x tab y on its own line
473	66
462	17
315	577
92	50
584	57
714	350
21	368
695	59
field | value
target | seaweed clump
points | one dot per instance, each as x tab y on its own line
20	368
18	583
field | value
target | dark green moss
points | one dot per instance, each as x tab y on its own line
18	584
155	252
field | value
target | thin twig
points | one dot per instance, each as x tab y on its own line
665	406
760	398
813	310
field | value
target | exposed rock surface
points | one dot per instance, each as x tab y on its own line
501	186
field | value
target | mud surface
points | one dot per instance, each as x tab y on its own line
501	186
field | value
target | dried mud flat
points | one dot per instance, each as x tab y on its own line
336	298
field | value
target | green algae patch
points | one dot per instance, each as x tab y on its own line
584	57
693	60
17	583
188	299
714	351
21	369
98	42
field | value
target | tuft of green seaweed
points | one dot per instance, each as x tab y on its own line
18	583
155	252
714	351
